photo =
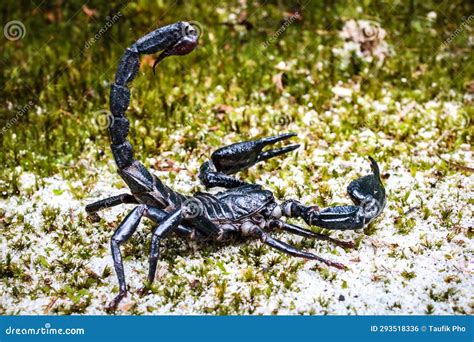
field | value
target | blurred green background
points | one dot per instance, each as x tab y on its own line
64	73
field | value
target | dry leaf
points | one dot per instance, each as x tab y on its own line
470	87
148	60
127	306
242	17
293	15
278	81
90	12
50	305
222	108
51	16
91	273
376	278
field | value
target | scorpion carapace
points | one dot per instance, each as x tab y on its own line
242	209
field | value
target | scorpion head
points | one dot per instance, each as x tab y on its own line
186	43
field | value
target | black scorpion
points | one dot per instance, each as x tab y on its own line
242	210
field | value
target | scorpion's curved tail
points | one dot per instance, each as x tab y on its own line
175	39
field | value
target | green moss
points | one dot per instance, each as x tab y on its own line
408	275
442	296
429	309
405	225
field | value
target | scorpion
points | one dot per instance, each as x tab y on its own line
240	210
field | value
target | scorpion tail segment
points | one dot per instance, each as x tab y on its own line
119	102
288	249
175	39
128	67
165	37
183	46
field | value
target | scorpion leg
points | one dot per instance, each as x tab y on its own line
240	156
113	201
297	230
166	224
288	249
158	215
368	195
172	222
122	234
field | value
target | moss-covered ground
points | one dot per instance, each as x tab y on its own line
262	68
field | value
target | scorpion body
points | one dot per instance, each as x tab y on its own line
242	209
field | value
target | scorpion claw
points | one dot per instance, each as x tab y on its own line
240	156
276	152
273	140
368	195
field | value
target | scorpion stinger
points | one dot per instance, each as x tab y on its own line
241	210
